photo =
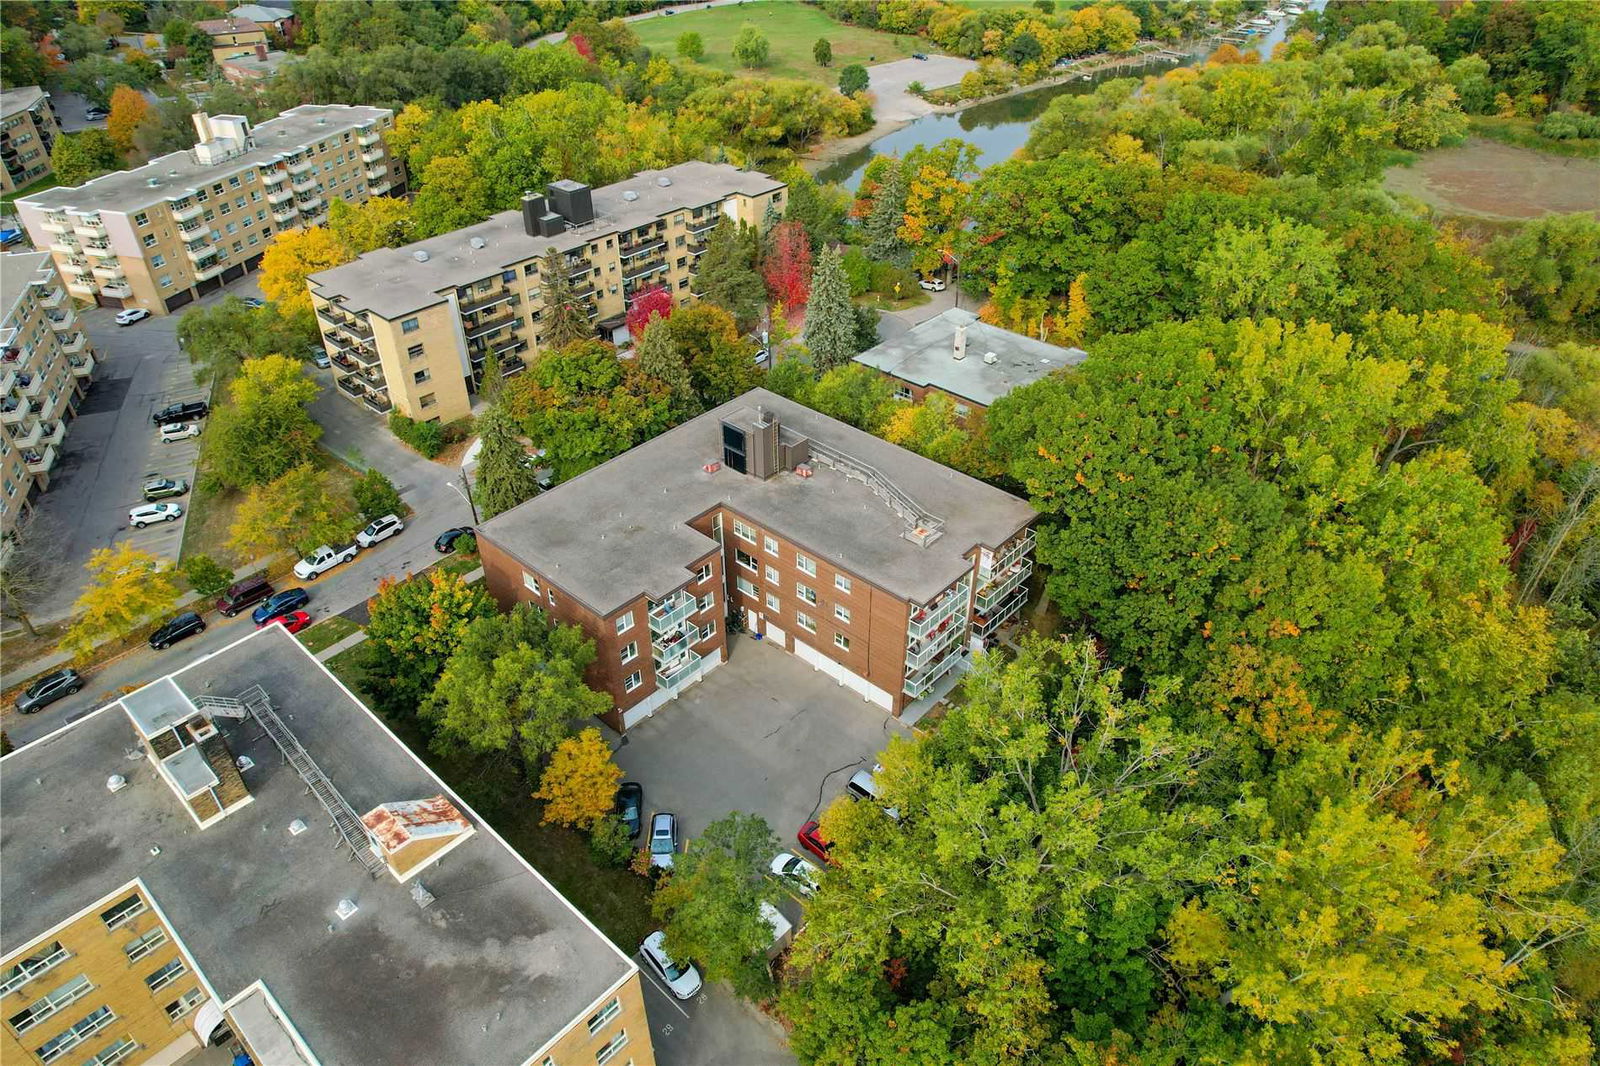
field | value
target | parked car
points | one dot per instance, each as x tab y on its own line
379	529
932	284
796	872
445	542
131	315
254	301
630	806
242	594
918	55
184	626
294	621
663	839
684	981
140	517
94	113
864	786
279	604
781	928
319	357
171	434
325	558
187	411
810	837
161	488
48	689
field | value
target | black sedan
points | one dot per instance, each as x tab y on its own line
445	542
180	628
279	604
630	806
48	689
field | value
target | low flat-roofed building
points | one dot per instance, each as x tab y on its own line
243	847
258	65
232	36
966	359
864	559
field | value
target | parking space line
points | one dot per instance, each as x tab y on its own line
672	999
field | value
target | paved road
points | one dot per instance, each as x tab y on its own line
715	1028
887	82
660	12
892	324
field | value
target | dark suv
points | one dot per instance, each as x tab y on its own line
47	690
280	604
185	625
242	594
181	412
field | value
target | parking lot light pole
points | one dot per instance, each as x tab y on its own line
468	497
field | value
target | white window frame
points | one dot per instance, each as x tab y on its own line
708	630
145	944
50	1004
632	681
630	651
745	561
708	601
135	905
841	613
624	623
609	1050
841	642
805	621
166	975
550	596
770	545
705	574
185	1003
773	603
116	1053
773	575
21	974
599	1018
746	586
842	583
531	583
743	532
805	564
806	593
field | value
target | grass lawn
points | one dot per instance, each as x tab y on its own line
211	514
880	302
615	900
47	182
791	28
1521	132
326	634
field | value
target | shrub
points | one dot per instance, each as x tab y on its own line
857	271
205	575
427	438
1569	125
916	88
610	843
376	496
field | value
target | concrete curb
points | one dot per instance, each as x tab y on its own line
344	645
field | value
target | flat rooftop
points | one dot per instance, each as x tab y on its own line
621	528
925	356
391	282
19	99
17	271
488	974
130	190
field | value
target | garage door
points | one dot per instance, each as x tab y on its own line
177	300
636	714
777	636
811	656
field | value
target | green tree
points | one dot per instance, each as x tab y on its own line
822	52
751	47
830	331
853	393
691	46
205	575
21	64
854	79
295	511
264	429
565	317
78	157
378	222
1551	267
884	242
1286	270
658	357
219	338
504	476
513	687
414	628
711	905
127	588
376	496
727	275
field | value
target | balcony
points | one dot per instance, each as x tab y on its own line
90	229
303	184
487	302
29	437
99	248
119	289
995	592
52	297
347	323
56	225
274	176
374	173
649	244
108	271
668	616
74	343
8	380
186	211
638	270
378	189
297	168
918	684
52	433
342	361
379	404
351	388
923	652
192	234
206	273
83	286
286	215
987	623
1007	556
373	156
485	328
704	225
280	196
83	366
925	620
63	321
40	462
13	409
369	138
30	385
310	205
200	254
671	676
65	246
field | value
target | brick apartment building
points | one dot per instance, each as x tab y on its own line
191	866
868	561
28	130
187	223
409	329
46	364
971	362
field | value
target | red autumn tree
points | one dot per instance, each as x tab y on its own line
788	265
581	43
656	301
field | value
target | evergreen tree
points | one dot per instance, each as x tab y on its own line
660	358
728	275
830	319
564	318
888	214
489	379
505	475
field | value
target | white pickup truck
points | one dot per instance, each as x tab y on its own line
324	559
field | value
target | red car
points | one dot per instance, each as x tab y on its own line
810	837
294	621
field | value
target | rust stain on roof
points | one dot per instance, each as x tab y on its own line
397	824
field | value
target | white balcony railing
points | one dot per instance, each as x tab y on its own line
369	138
186	212
108	271
373	156
120	289
667	616
40	462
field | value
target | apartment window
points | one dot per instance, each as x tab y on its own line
414	352
550	596
770	545
410	325
631	682
708	631
427	401
841	642
773	603
149	240
903	392
683	283
630	651
146	944
224	208
530	583
705	573
166	281
116	1053
746	587
805	592
185	1003
231	228
599	1018
255	196
419	377
708	601
42	961
805	621
805	565
93	1023
158	261
49	1004
253	241
625	623
120	914
841	582
612	1046
743	532
772	575
238	246
217	188
962	410
233	182
746	560
261	215
141	219
166	975
841	613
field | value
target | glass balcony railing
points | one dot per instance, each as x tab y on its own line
926	620
1002	586
926	651
669	614
673	675
1008	555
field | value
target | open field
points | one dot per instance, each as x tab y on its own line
1487	179
790	27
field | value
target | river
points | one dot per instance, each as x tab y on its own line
997	128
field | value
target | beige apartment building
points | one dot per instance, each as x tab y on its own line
28	131
232	37
185	224
241	858
46	364
409	329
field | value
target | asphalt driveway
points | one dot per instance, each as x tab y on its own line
764	733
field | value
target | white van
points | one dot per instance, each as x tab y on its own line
782	929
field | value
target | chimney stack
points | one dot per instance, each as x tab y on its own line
961	340
261	51
533	208
202	126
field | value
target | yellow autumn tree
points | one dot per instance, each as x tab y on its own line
580	784
127	587
128	109
292	258
1077	321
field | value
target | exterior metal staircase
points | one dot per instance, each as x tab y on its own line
922	526
253	702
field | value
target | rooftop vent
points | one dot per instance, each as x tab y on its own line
478	242
990	358
421	896
420	256
297	827
345	909
630	195
154	183
116	783
664	181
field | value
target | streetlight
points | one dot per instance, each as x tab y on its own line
466	496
